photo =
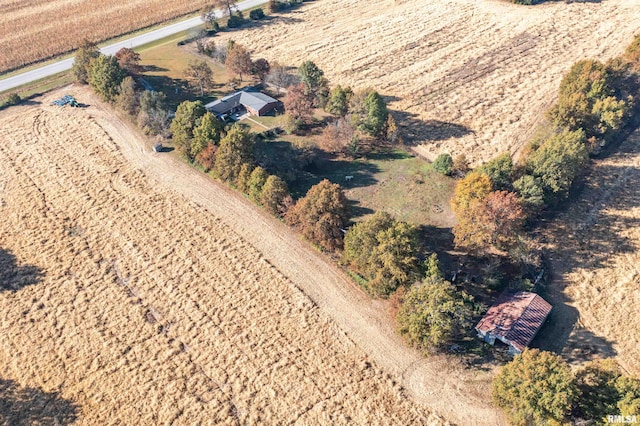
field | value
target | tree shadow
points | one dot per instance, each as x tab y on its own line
153	68
14	277
415	130
31	406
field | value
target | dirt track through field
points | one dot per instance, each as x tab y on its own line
472	77
166	297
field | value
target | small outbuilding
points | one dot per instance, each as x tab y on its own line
514	319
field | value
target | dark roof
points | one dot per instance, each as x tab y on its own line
253	100
516	317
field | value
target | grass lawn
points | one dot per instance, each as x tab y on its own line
165	65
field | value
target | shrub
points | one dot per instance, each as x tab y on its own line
274	6
256	14
235	21
443	164
12	99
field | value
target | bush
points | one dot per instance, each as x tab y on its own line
256	14
274	6
443	164
12	99
235	21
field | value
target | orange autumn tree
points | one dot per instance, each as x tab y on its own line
485	217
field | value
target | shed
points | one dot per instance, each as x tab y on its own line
514	319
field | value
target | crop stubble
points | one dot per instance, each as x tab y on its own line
31	30
151	309
472	77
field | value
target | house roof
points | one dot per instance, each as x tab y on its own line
253	100
516	317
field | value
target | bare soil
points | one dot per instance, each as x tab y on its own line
138	290
472	77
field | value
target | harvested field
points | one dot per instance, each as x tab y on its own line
129	296
472	77
31	30
595	249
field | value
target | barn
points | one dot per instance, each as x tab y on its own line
514	319
255	103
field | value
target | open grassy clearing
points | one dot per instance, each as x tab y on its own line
31	30
128	303
463	77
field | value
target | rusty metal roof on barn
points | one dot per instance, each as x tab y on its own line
516	317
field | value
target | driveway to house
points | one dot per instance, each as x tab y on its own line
140	40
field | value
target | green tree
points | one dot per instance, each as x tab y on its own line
199	75
321	215
499	170
383	251
376	115
443	164
432	267
558	161
535	388
105	76
315	84
85	54
257	179
629	391
236	149
242	181
432	313
208	131
187	119
273	194
127	99
531	193
338	102
588	100
597	392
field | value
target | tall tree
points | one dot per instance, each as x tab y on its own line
280	77
535	388
210	16
338	102
257	179
261	69
187	119
315	84
199	75
558	161
226	6
298	104
432	313
85	54
376	118
274	192
337	136
384	252
236	149
129	60
207	132
499	170
239	60
127	99
321	215
153	116
105	76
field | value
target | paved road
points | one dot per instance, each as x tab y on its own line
64	65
